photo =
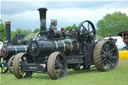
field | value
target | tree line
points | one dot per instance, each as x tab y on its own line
25	33
110	24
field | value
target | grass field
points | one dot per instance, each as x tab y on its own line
118	76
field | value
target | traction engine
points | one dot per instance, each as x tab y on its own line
54	51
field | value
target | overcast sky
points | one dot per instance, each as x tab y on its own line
23	14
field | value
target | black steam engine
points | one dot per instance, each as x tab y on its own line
11	47
54	51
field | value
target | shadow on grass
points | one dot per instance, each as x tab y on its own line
69	73
43	77
72	72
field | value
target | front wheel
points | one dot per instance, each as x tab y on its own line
57	65
19	59
10	62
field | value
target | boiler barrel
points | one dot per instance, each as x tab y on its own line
44	48
8	51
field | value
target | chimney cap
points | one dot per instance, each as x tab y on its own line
7	22
41	9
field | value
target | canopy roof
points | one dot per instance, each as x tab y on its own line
120	33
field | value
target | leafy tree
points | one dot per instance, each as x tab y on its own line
12	34
30	36
71	27
111	24
2	31
23	33
36	30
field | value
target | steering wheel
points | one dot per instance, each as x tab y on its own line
86	32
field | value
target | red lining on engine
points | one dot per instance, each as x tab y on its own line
4	52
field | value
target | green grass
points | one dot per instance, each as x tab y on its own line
118	76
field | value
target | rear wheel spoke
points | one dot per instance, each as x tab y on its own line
112	50
107	48
111	63
103	56
104	51
103	60
114	57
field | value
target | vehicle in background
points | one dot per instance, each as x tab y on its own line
10	47
119	42
124	35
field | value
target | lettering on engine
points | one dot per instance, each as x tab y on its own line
33	67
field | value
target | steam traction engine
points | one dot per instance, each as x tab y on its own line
55	51
10	48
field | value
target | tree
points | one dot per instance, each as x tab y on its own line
71	27
36	30
2	31
30	36
23	33
111	24
13	33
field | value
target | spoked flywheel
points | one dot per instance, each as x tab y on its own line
105	55
21	58
10	62
86	32
57	65
3	65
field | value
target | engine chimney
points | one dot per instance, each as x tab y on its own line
42	12
8	30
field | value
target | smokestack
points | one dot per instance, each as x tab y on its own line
42	12
8	30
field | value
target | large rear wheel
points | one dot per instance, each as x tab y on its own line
105	55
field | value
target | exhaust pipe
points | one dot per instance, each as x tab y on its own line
42	12
8	30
